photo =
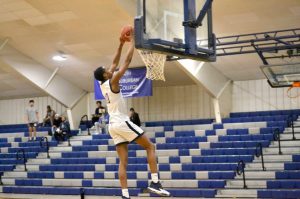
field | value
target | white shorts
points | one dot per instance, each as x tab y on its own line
124	132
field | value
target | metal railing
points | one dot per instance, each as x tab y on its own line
276	137
259	153
291	124
240	170
86	123
42	141
82	193
69	136
22	157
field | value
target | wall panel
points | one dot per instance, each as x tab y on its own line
13	111
171	103
257	95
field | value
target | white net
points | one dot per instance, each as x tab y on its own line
155	64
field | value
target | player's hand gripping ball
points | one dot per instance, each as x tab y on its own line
126	33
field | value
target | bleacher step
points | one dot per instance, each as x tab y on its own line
257	175
185	183
285	150
271	166
252	184
237	193
290	143
274	158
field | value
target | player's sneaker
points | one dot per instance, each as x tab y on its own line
158	189
123	197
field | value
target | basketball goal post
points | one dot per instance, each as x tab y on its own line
284	75
169	30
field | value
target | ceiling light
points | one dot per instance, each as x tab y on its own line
59	57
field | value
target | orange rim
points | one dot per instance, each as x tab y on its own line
294	85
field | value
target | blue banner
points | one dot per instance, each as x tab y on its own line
133	84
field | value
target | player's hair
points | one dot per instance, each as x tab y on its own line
98	74
31	101
98	102
131	109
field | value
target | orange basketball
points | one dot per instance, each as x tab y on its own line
126	33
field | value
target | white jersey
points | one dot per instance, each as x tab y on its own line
115	103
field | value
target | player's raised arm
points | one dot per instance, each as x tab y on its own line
117	76
117	57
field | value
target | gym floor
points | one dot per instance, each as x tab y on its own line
35	196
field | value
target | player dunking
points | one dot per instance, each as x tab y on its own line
121	129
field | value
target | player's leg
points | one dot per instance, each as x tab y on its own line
122	150
155	186
34	132
144	142
30	131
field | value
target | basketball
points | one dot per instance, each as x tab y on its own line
126	33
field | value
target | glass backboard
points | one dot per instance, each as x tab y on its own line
163	30
283	75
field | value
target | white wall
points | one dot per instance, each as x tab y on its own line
78	111
257	95
12	111
225	101
176	102
171	103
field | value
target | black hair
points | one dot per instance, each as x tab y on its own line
98	102
131	109
31	101
98	74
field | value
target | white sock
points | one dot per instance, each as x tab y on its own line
154	177
125	193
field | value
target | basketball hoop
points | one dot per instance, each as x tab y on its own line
289	90
155	64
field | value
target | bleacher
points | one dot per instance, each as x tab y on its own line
197	158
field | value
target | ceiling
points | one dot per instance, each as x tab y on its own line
233	17
13	85
87	31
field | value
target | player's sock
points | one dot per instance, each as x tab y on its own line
125	193
154	177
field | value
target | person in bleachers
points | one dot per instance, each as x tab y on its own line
99	112
101	124
48	120
56	123
31	118
63	131
134	117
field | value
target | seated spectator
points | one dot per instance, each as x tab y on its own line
56	123
48	120
63	131
99	111
101	124
134	117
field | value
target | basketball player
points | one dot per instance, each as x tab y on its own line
121	129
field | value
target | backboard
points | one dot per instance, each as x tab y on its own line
283	75
170	27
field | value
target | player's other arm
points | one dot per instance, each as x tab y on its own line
118	75
117	57
37	116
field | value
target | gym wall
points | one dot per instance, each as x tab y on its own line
171	103
257	95
13	111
